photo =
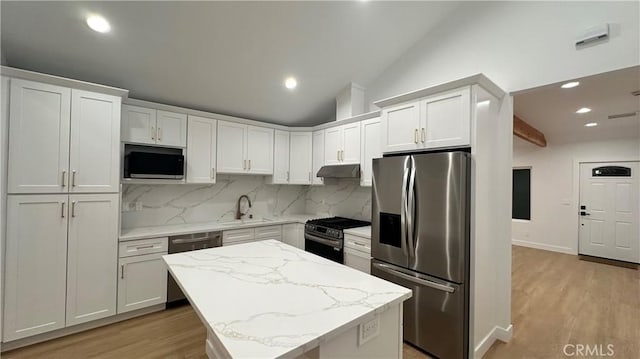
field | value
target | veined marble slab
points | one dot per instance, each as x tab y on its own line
267	299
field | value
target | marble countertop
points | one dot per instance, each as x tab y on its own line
360	231
267	299
129	234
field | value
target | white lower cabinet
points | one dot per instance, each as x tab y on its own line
142	282
268	232
237	236
293	235
357	253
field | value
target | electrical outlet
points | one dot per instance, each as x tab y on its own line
368	330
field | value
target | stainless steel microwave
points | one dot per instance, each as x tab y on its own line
153	162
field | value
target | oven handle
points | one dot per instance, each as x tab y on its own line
328	242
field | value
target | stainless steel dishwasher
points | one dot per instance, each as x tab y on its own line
185	243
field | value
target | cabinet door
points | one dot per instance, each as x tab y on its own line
401	128
281	157
142	282
92	257
446	119
293	234
95	142
39	117
237	235
332	145
138	124
268	232
260	150
231	147
300	159
201	150
171	129
350	144
318	156
371	148
36	265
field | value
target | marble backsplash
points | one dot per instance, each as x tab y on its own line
149	205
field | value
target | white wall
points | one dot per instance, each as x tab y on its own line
518	45
555	188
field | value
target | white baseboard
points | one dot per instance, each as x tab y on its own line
497	333
546	247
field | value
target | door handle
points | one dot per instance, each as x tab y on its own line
249	165
411	208
403	212
159	134
342	155
423	135
213	173
62	210
244	164
338	155
73	178
73	209
309	177
413	278
153	132
64	178
415	136
122	271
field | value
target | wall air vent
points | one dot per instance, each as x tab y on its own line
592	35
622	115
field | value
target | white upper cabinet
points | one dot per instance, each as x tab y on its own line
201	150
446	119
171	129
401	126
95	142
371	148
63	140
138	124
36	265
40	116
260	150
300	164
318	156
149	126
244	149
437	121
342	144
281	157
92	257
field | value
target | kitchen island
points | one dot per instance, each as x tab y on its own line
270	300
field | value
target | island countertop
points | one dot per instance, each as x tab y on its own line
267	299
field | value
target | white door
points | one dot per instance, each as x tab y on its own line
609	220
300	159
281	157
350	143
142	282
260	150
201	150
35	265
371	148
400	127
446	119
92	257
95	142
171	129
138	124
39	118
332	145
230	155
318	156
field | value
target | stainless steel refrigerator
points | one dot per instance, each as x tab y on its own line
420	240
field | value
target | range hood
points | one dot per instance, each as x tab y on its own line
339	171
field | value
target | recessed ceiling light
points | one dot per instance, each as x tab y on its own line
569	85
583	110
98	23
591	124
290	83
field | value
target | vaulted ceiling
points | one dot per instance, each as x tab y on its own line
225	57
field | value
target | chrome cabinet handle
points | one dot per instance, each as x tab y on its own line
309	177
159	134
62	210
287	176
249	165
153	132
145	247
244	164
64	178
122	271
73	178
415	136
342	155
338	155
423	135
73	209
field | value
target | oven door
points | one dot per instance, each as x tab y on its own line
324	247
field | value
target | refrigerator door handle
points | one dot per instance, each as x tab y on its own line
413	278
403	212
411	207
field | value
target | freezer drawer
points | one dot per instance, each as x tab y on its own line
436	316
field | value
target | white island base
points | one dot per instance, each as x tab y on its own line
270	300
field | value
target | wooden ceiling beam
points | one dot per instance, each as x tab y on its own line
527	132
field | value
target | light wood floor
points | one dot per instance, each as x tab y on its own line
557	299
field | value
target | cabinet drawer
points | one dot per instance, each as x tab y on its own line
237	235
143	246
357	243
269	232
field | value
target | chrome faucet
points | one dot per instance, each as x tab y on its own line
239	214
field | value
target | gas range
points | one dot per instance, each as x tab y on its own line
324	236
